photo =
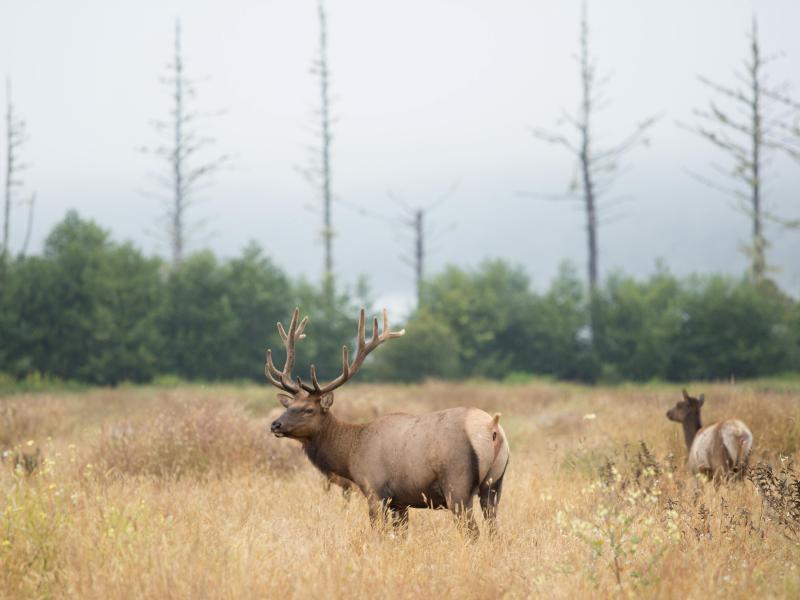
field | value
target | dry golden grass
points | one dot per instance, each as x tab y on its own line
145	492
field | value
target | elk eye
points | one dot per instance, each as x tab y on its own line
309	411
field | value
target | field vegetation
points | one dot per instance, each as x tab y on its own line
180	492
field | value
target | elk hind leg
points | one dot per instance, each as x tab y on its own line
461	507
489	494
399	519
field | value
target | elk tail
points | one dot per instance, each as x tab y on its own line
501	452
744	453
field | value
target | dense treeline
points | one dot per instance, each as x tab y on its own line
93	310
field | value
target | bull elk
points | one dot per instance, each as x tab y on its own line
716	451
398	461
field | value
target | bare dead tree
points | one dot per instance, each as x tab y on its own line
15	139
318	173
746	132
415	220
790	144
596	165
31	202
185	175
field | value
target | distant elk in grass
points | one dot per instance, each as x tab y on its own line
398	461
718	451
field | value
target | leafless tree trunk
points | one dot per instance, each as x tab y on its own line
416	223
183	177
15	138
596	166
29	226
747	142
319	171
789	143
325	130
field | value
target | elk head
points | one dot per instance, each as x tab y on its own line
307	405
686	408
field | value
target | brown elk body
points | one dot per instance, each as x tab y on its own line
398	461
718	450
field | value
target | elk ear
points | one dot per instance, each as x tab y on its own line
701	399
285	399
685	395
326	401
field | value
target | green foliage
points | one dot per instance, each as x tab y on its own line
638	324
95	311
501	326
84	310
257	291
429	349
732	328
483	310
197	319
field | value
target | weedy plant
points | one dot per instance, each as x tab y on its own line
780	494
627	529
31	526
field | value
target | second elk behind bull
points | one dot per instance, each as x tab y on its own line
718	451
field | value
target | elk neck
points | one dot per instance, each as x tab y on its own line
691	425
330	449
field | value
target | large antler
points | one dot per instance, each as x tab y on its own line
363	349
283	379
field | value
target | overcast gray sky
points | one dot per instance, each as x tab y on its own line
428	93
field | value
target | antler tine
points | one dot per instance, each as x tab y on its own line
375	332
314	381
386	331
292	325
364	348
345	363
271	372
362	333
283	379
299	335
270	366
289	341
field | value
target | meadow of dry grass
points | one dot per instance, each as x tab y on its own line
181	493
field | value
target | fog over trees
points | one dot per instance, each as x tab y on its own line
410	114
677	285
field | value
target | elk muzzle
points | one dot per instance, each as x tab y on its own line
276	427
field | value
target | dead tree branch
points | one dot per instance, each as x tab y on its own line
184	175
597	165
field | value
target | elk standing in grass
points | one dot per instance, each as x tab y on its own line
716	451
398	461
